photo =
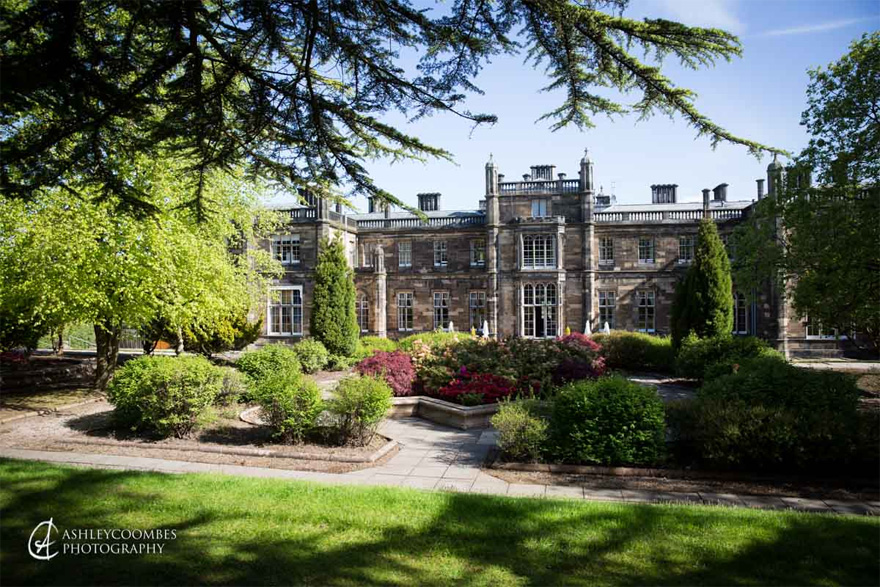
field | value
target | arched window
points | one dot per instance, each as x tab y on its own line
362	306
539	310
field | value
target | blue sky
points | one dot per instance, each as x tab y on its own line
759	96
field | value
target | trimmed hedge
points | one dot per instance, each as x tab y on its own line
636	351
165	395
291	404
609	421
772	416
360	405
707	358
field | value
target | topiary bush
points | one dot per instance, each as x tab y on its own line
395	368
165	395
637	351
268	360
312	355
360	404
707	358
609	421
522	432
771	416
291	404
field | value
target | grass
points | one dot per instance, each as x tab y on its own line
252	531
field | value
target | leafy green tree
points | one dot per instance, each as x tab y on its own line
703	300
298	91
334	321
821	241
74	261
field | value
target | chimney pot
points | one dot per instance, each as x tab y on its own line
561	176
526	177
760	183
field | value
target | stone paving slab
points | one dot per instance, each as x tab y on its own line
431	457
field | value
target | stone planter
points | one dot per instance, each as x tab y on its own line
443	412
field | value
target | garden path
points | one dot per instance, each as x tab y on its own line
435	457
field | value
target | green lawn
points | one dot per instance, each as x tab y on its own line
260	531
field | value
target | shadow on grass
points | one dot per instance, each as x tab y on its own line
250	531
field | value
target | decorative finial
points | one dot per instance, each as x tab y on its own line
491	158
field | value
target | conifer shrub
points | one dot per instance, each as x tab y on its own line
333	320
703	301
311	354
164	395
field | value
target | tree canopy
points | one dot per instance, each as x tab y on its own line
821	241
66	260
297	91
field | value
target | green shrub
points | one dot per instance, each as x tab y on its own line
340	363
360	405
333	320
772	416
291	404
268	360
522	432
166	395
367	345
636	351
607	421
707	358
438	339
235	387
312	355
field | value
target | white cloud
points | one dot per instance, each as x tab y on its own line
707	13
814	28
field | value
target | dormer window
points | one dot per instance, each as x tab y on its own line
540	207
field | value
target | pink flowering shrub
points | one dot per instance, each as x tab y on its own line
579	342
488	387
395	367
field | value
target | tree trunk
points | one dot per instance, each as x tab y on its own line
107	342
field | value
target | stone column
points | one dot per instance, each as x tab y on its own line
380	307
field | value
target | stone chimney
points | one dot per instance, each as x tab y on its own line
664	193
706	202
760	183
720	193
429	202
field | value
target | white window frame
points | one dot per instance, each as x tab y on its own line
441	310
441	254
477	308
539	251
607	306
534	296
687	248
404	260
478	252
740	314
405	311
815	331
275	304
540	207
362	307
650	246
286	249
645	301
367	254
606	250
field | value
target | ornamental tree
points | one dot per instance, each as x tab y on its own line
333	320
299	91
78	260
819	240
703	300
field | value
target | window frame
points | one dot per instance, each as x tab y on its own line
606	250
536	295
477	310
272	306
740	305
686	243
401	246
478	260
293	243
606	309
441	253
543	206
649	242
646	295
405	311
362	310
531	251
442	311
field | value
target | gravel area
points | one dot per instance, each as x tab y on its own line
60	430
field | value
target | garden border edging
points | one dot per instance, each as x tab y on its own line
443	412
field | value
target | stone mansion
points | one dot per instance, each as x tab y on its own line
536	256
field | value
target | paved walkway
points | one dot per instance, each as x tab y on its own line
434	457
839	365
